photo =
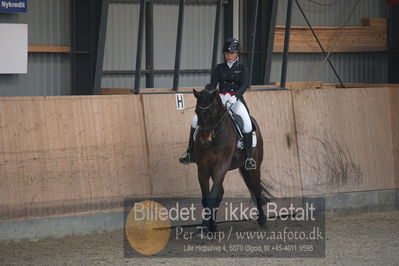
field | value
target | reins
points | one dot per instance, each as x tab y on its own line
219	123
202	108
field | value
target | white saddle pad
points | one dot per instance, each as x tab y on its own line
241	146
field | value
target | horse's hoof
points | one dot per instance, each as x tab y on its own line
262	221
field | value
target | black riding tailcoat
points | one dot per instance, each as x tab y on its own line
234	79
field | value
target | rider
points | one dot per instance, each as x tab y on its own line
233	79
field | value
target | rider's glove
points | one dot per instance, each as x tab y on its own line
233	100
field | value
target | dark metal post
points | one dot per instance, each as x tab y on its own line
286	44
149	42
216	35
137	76
178	46
269	31
228	20
100	47
393	43
254	16
88	36
82	41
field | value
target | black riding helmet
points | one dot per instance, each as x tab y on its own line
231	45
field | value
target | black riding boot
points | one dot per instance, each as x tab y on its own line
250	163
188	157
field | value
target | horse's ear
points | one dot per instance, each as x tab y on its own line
213	92
210	89
196	93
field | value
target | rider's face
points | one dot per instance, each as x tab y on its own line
230	57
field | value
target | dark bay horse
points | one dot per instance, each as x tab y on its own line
216	153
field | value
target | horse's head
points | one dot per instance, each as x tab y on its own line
209	110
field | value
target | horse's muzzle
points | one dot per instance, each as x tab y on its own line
206	143
205	139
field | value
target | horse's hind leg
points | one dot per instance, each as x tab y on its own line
252	180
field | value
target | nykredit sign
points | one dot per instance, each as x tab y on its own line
13	6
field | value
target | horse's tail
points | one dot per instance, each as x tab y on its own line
258	187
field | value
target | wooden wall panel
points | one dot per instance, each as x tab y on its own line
57	150
372	37
78	154
274	113
49	49
345	139
167	132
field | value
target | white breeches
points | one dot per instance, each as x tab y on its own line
238	108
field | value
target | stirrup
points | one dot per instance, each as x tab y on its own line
187	158
250	164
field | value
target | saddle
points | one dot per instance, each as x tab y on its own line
238	128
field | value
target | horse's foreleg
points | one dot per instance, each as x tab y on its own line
203	179
216	195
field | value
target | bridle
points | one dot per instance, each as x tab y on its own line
207	107
216	127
